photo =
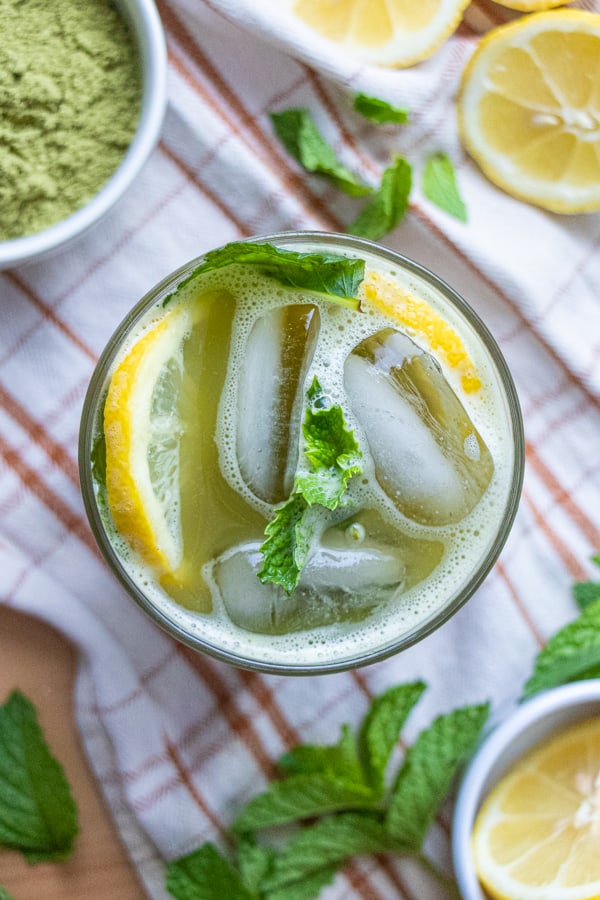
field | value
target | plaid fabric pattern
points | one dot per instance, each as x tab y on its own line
178	741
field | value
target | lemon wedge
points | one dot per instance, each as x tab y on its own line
142	429
537	835
529	109
383	32
419	319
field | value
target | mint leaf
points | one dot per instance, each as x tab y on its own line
298	133
439	185
37	812
4	895
329	842
380	111
331	449
572	654
302	796
388	205
336	276
254	862
428	771
305	888
337	760
382	726
98	460
205	875
333	455
288	541
586	592
596	559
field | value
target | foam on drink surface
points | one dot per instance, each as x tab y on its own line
466	543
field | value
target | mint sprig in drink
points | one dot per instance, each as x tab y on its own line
301	453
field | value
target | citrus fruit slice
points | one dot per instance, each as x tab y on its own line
383	32
531	5
419	319
536	836
529	109
142	429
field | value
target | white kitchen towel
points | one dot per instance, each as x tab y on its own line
178	741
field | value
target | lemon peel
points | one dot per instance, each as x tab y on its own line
144	501
420	319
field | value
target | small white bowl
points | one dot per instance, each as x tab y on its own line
531	723
149	37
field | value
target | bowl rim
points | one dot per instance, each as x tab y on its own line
546	708
148	33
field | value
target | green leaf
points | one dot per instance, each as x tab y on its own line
98	460
380	111
339	759
571	655
439	185
330	841
306	888
288	541
382	726
298	133
388	205
586	592
338	277
596	559
205	875
302	796
429	768
330	448
38	815
254	862
4	895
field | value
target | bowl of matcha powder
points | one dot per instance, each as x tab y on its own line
82	100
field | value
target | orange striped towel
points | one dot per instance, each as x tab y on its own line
178	742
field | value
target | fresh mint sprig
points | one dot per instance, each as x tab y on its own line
300	136
38	815
333	458
359	809
338	277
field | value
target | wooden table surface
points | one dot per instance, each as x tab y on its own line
39	662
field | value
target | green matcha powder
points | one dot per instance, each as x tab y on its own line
70	93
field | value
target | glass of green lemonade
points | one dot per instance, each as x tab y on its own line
301	453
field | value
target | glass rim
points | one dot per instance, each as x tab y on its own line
404	641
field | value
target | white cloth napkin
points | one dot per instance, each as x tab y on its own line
178	741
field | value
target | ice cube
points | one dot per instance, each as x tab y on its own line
428	456
338	584
279	350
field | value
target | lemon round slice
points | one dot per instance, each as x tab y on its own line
142	429
529	109
531	5
383	32
537	835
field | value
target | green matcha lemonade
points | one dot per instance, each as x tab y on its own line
301	453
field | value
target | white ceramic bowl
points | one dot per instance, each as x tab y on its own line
149	36
531	723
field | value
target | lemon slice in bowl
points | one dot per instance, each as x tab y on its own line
142	429
529	109
383	32
536	836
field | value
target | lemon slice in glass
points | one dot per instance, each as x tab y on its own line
142	429
529	109
537	835
383	32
